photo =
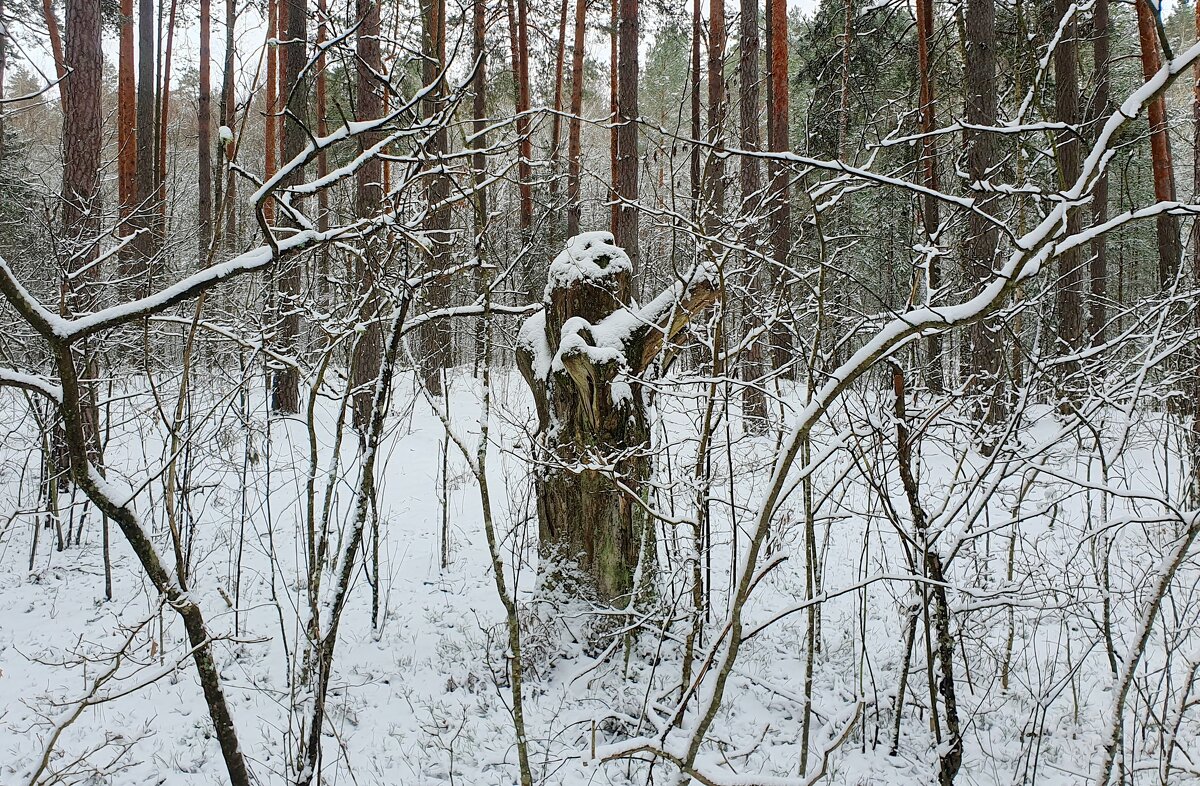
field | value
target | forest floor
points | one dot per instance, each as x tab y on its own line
419	698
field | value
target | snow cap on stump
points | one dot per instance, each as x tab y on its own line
592	258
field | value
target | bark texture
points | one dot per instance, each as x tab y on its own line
584	357
754	402
1160	147
930	218
368	195
982	360
1099	109
285	391
625	182
1069	295
574	129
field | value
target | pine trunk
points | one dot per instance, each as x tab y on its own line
1100	108
777	142
126	131
204	133
285	391
930	218
574	131
436	335
626	181
714	165
982	359
754	402
594	531
368	195
1160	148
1069	293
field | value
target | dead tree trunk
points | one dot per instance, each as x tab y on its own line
625	181
584	356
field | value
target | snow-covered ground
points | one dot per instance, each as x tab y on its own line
421	698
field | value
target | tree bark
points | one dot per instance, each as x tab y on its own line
147	181
227	199
626	181
930	218
754	402
436	335
1100	109
777	142
56	48
285	387
322	109
204	133
518	31
694	77
1069	291
364	367
126	131
593	530
575	127
1160	148
714	165
983	356
81	144
556	120
164	123
271	122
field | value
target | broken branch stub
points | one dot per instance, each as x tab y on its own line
584	357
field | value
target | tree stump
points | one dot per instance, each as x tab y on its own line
585	357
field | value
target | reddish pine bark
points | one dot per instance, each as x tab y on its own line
164	121
556	120
368	195
1160	148
56	48
777	141
626	181
285	391
126	122
929	172
270	144
518	34
1069	292
754	403
204	132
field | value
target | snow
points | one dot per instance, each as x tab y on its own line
589	256
416	700
532	338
